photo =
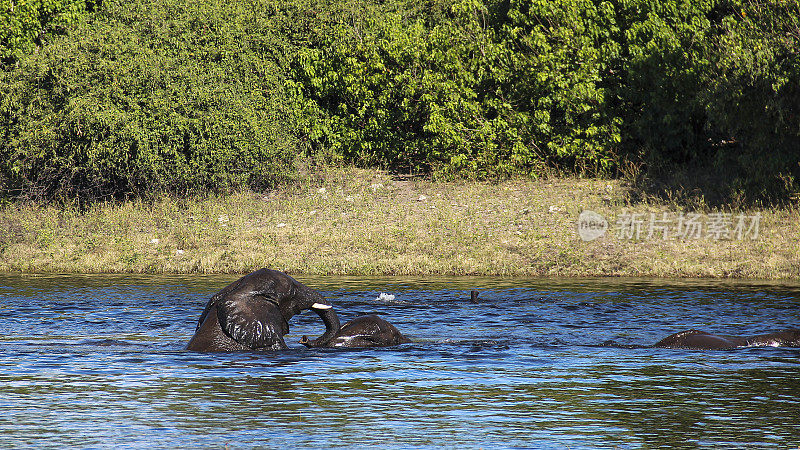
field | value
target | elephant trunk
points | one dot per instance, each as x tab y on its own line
332	326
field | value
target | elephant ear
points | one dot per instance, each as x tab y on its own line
252	320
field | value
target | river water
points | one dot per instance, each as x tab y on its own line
99	361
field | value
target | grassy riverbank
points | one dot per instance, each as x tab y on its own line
348	221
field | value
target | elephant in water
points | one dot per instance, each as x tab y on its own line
694	339
253	313
361	332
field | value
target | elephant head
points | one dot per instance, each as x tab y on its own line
361	332
253	313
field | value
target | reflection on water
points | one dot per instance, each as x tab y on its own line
96	361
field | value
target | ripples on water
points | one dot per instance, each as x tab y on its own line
98	361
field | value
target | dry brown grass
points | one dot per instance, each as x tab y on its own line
349	221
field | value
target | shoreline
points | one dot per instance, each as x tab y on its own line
366	223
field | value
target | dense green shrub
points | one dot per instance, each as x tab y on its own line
26	24
149	97
666	58
711	88
753	98
160	95
556	69
485	90
502	87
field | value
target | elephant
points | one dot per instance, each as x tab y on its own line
253	313
700	340
362	332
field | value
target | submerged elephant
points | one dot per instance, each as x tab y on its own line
253	312
694	339
361	332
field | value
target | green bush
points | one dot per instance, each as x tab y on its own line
666	57
159	95
711	89
753	98
149	97
483	90
25	25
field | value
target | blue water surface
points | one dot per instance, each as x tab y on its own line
98	361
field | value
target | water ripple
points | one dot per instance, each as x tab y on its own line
98	361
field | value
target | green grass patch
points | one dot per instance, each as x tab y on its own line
360	222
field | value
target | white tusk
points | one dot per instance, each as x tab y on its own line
321	306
